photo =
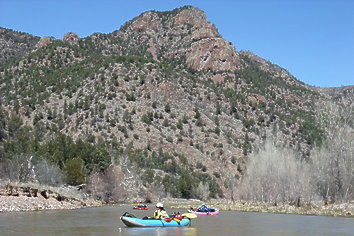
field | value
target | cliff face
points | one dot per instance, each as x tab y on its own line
164	81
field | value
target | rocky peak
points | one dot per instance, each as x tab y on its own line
208	49
196	19
178	21
71	38
182	33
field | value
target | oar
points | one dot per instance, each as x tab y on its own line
189	215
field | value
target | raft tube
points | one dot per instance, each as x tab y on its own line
137	222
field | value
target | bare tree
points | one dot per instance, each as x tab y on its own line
276	174
231	183
115	184
48	174
96	186
202	191
18	168
333	162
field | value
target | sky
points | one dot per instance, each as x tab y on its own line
312	39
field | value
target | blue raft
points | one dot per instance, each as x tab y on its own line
131	221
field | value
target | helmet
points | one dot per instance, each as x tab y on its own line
159	204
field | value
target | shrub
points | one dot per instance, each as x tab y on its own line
74	170
217	130
168	108
154	104
169	139
166	123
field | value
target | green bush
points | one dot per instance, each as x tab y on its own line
168	108
217	130
74	170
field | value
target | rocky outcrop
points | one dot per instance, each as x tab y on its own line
207	50
195	19
215	54
148	23
71	38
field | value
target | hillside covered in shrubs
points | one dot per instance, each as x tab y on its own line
165	107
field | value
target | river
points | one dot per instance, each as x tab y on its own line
105	221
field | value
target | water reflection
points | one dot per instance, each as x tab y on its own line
156	231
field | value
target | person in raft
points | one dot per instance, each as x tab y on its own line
203	208
160	212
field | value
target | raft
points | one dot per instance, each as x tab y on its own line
140	207
131	221
209	212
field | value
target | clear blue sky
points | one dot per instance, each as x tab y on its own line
312	39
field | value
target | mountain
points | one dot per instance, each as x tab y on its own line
165	94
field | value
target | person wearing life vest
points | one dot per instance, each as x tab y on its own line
203	208
160	212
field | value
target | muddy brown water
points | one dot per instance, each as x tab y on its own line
105	221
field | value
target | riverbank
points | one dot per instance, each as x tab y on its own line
313	208
31	198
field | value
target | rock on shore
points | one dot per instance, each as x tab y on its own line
20	198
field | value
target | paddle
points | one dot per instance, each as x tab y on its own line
189	215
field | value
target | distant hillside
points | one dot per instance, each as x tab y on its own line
165	94
339	93
15	44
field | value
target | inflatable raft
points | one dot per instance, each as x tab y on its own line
209	212
140	207
131	221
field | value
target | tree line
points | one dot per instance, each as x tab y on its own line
276	173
